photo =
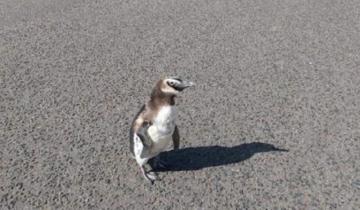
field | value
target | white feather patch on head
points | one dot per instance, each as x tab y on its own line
166	88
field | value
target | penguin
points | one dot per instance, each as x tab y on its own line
154	127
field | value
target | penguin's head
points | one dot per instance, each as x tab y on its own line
174	85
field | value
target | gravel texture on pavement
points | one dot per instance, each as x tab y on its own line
272	123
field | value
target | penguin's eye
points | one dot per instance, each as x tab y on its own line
171	83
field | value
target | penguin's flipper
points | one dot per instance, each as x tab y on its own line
176	138
145	138
143	134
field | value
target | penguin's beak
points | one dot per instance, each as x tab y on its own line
187	84
184	84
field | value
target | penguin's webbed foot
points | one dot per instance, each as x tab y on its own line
149	176
152	176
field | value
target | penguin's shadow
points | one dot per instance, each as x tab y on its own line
195	158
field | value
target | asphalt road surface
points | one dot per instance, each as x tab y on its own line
273	122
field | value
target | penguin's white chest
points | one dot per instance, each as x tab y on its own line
163	127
